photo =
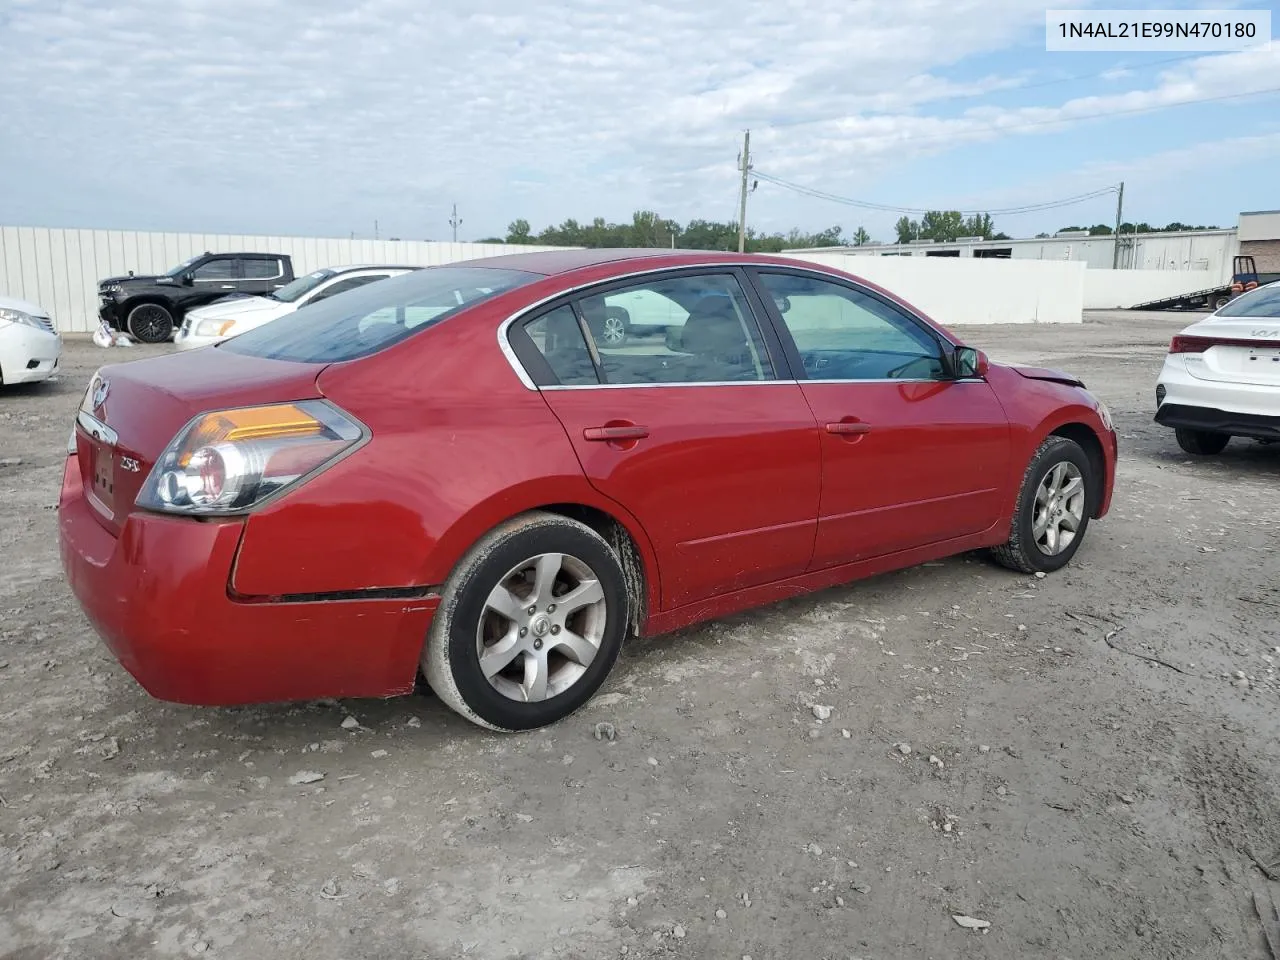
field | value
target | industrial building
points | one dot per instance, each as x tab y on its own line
1257	234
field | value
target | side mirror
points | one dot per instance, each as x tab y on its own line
969	363
188	279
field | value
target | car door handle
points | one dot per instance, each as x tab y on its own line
849	428
619	432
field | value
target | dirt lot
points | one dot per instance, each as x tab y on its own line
1084	799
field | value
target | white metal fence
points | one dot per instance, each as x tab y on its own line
954	290
59	269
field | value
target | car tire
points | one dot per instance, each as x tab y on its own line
1048	498
1202	443
527	563
1220	301
150	323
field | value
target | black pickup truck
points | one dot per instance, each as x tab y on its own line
149	309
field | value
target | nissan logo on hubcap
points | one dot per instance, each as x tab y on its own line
540	626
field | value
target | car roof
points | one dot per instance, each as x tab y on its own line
352	267
553	262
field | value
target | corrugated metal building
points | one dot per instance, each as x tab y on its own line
1258	234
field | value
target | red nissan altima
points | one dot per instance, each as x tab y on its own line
493	472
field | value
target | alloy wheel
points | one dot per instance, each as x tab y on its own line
615	331
1059	508
150	323
542	627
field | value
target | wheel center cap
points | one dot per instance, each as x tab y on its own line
540	626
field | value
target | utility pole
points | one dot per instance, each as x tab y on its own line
1115	257
745	162
455	221
375	229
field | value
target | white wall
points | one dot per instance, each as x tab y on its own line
1121	289
953	290
1260	225
1195	250
60	269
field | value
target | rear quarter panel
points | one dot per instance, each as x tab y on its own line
458	445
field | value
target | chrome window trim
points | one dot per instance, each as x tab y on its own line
802	268
742	383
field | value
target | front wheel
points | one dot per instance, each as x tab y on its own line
529	624
1052	512
1202	443
150	323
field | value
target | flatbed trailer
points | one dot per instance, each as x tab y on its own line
1244	277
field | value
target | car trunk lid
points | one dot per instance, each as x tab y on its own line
1233	350
132	411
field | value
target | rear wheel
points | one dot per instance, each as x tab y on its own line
1202	443
530	624
1052	512
150	323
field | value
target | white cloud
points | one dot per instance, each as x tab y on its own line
320	116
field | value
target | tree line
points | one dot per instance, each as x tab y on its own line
1102	230
648	229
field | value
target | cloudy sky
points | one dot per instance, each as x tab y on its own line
318	117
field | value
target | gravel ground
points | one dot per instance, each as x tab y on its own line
992	751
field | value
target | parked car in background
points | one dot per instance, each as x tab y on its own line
150	308
30	347
452	455
228	318
1221	377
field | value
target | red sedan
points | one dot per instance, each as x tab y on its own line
495	471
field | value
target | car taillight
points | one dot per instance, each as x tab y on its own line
229	461
1183	344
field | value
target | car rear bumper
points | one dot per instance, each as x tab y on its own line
28	355
1212	420
1177	387
158	597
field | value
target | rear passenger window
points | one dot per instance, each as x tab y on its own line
559	339
260	269
689	329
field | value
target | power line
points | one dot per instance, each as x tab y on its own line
998	128
889	208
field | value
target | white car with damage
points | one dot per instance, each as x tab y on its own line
1221	378
227	318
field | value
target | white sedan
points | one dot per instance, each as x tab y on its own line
1221	378
30	348
228	318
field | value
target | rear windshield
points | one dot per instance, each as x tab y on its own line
373	317
1262	302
